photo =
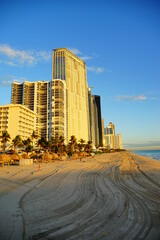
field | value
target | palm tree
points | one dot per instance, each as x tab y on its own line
54	144
33	137
27	144
73	143
61	144
17	142
89	146
81	144
43	143
5	138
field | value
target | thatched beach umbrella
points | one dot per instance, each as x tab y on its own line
15	156
47	157
24	156
4	158
54	156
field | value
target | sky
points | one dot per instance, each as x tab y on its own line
118	40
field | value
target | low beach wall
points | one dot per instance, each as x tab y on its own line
25	162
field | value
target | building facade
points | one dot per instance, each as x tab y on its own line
58	109
118	141
111	139
72	70
17	119
35	96
110	136
96	121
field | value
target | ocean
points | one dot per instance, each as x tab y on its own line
155	154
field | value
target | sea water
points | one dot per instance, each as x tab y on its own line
155	154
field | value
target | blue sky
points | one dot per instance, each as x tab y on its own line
118	40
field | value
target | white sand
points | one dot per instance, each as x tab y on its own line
111	196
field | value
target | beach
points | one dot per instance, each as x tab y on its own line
110	196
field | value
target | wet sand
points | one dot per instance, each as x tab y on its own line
110	196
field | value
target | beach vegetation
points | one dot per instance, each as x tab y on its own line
5	138
17	142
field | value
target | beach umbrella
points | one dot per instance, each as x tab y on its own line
54	156
15	157
4	158
47	157
24	156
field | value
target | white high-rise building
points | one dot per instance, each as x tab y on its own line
72	70
118	141
111	139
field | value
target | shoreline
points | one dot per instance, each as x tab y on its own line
113	195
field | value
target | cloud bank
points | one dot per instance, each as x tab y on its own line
131	98
19	57
7	80
95	69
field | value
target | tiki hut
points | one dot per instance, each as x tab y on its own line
24	156
14	157
47	157
4	159
54	156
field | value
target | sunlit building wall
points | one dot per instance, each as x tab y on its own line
72	70
17	119
58	116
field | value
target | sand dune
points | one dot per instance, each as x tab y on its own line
111	196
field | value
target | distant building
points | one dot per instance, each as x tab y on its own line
110	136
17	119
103	142
118	142
96	121
111	139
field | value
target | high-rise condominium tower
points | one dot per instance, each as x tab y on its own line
95	120
110	136
35	96
71	69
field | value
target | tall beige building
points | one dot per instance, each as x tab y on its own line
35	96
58	113
72	70
17	119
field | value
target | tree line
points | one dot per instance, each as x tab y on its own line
53	145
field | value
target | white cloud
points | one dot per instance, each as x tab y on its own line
43	55
85	58
75	51
30	57
95	69
7	80
132	98
10	63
